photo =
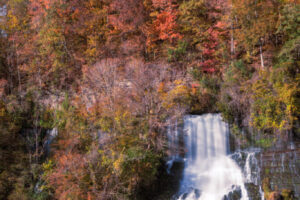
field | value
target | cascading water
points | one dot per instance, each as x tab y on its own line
172	133
51	134
209	173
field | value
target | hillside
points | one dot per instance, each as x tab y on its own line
111	75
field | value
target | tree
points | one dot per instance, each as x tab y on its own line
202	25
255	23
288	24
162	26
274	107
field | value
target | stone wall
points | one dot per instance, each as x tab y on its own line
282	168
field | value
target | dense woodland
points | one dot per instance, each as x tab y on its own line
111	75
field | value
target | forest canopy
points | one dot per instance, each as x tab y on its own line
103	79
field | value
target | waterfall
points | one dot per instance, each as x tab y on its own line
173	145
51	134
209	173
252	169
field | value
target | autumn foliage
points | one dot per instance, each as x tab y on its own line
111	75
163	24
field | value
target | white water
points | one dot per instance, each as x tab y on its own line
251	169
50	137
209	173
173	144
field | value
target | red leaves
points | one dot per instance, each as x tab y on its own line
210	45
67	176
164	25
210	63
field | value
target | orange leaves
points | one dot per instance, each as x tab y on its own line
163	26
72	160
46	3
194	88
67	176
50	36
161	87
220	25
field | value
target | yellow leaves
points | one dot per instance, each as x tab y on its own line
17	17
48	165
274	103
118	164
121	116
13	22
154	14
178	82
105	160
177	95
91	52
288	1
248	56
282	124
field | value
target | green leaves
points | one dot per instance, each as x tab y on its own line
174	54
254	22
237	72
289	21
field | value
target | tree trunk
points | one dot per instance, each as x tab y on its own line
19	79
232	49
36	146
261	56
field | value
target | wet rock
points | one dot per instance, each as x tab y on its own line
193	194
275	196
184	196
197	193
253	191
236	194
281	167
287	194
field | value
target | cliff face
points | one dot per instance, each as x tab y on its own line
273	171
282	169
